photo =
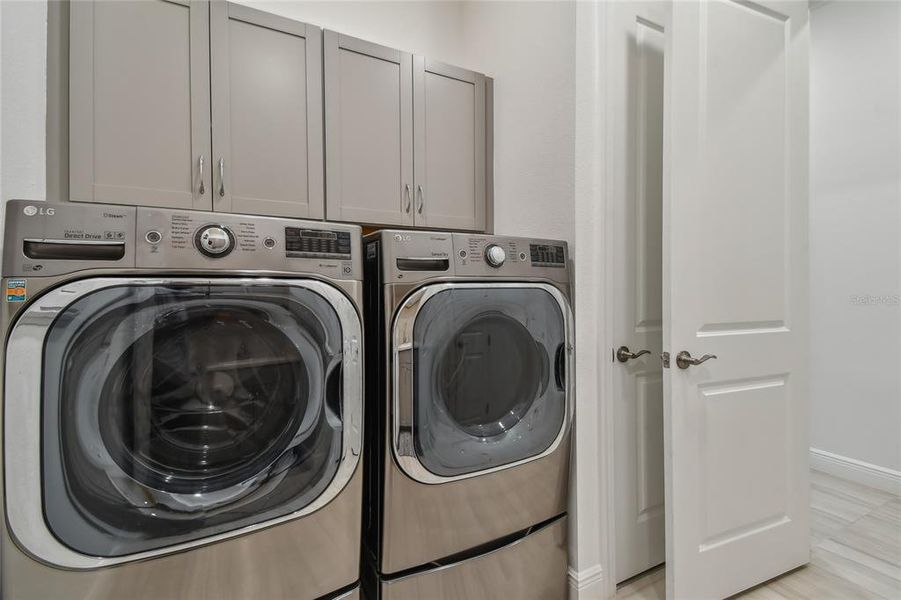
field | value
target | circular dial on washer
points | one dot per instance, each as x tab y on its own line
495	255
214	241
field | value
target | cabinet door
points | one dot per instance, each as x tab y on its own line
449	134
267	113
368	132
139	103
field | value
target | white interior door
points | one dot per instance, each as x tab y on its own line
635	84
735	286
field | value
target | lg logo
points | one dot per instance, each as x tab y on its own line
31	211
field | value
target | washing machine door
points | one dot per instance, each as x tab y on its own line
480	378
147	416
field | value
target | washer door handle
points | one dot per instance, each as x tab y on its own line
403	413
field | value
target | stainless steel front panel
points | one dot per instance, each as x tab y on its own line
532	568
431	518
254	249
163	240
23	427
425	522
466	257
76	223
302	559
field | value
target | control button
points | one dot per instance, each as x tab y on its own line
522	256
214	241
269	242
153	237
495	255
462	253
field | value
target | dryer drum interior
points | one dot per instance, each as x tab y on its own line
172	413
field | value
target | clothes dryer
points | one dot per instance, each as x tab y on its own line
469	409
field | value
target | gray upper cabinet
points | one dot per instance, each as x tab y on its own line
217	106
449	146
139	103
368	132
405	138
267	113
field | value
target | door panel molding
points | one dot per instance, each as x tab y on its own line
446	199
272	149
385	198
95	179
735	286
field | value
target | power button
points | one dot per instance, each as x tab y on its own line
153	237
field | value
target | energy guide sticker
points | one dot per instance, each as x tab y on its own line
16	290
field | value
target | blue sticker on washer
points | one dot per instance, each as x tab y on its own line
16	290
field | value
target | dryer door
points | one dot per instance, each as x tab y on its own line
172	412
480	378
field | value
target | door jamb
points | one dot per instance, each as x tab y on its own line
591	573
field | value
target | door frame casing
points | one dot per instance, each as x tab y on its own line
591	506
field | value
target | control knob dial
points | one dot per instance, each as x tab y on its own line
214	241
495	255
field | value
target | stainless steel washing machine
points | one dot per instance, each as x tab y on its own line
468	416
182	405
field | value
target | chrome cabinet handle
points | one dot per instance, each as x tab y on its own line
221	177
684	359
421	198
202	189
407	196
624	355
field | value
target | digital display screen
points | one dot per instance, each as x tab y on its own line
547	255
316	243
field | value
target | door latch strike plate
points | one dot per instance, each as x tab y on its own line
665	358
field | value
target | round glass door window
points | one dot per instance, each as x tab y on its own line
173	413
488	377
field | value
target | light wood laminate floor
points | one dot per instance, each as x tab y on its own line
855	550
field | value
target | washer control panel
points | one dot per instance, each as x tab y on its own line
214	241
183	239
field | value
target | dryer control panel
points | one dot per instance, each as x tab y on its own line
411	256
500	256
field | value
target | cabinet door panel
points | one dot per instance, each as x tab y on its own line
139	103
449	130
368	132
267	113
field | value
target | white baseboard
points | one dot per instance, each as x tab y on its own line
855	470
587	584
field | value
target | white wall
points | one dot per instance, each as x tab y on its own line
23	100
529	48
855	231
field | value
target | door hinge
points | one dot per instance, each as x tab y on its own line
665	358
